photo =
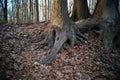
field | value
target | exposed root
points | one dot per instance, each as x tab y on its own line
55	49
106	28
56	37
48	39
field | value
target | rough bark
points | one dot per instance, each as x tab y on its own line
5	11
4	8
105	18
107	15
98	9
30	8
60	30
109	28
17	11
88	25
80	10
37	10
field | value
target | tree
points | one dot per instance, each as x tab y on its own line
17	3
109	24
108	14
29	10
4	8
80	10
49	6
37	10
60	30
98	9
106	18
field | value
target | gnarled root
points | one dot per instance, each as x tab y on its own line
56	37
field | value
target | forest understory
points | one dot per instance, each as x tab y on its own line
19	58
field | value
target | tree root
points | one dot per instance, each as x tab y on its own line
108	29
68	34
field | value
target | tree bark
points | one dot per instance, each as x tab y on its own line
98	9
105	18
37	10
60	30
107	15
5	11
30	14
4	8
109	28
80	10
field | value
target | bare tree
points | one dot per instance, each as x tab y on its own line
60	30
4	8
37	10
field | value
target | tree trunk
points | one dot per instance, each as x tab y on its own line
60	30
105	18
13	12
107	13
37	10
109	23
5	11
48	9
80	10
45	10
17	11
98	9
4	8
30	14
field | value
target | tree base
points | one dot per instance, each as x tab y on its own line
55	37
109	30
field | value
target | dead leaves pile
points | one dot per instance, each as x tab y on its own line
20	61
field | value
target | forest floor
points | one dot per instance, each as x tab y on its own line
20	61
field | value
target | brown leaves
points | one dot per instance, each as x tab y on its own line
20	60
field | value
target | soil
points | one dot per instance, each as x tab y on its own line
20	60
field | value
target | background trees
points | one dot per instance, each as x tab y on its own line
28	11
4	9
25	11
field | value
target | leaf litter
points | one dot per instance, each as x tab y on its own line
20	61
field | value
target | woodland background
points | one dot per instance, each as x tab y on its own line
28	11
